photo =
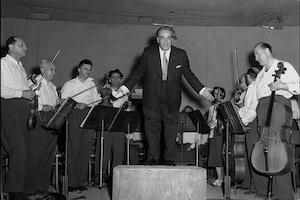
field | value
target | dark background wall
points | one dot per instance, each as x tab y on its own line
110	46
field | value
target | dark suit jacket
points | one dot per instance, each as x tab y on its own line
149	69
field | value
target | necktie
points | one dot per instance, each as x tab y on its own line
164	67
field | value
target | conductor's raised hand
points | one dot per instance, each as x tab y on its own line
206	92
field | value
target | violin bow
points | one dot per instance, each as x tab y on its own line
43	75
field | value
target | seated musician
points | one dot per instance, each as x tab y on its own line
248	115
114	142
80	140
285	87
41	143
15	96
239	94
216	136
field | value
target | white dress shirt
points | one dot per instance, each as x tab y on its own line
161	54
248	111
47	94
290	77
260	88
75	86
13	78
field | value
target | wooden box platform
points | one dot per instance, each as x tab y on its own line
138	182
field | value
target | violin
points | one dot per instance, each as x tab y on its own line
106	92
32	117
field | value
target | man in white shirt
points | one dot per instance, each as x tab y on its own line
80	140
15	94
285	87
41	142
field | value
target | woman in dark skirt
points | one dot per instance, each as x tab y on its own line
216	135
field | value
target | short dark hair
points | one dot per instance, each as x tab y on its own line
110	73
222	90
252	72
85	61
9	41
169	28
264	45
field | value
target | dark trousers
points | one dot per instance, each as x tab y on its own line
14	113
41	145
282	184
153	128
80	148
113	149
251	138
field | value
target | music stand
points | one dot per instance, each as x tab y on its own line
234	124
106	118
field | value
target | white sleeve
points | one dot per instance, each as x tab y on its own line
6	91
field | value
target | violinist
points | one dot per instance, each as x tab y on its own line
41	142
80	140
216	136
15	96
239	94
114	142
287	86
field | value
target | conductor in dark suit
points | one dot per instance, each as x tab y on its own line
161	67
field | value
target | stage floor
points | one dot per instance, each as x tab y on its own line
212	193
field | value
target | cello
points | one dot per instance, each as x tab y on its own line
270	154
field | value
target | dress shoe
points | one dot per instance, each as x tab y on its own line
151	162
81	188
170	163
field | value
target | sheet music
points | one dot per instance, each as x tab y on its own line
86	117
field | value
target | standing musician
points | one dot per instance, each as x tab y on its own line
114	142
161	67
41	143
287	86
15	94
80	140
216	136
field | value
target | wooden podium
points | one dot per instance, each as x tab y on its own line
138	182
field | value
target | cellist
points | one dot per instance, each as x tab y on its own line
15	96
285	87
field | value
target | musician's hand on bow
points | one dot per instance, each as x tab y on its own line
120	92
212	124
28	94
206	92
48	108
59	101
278	85
80	106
